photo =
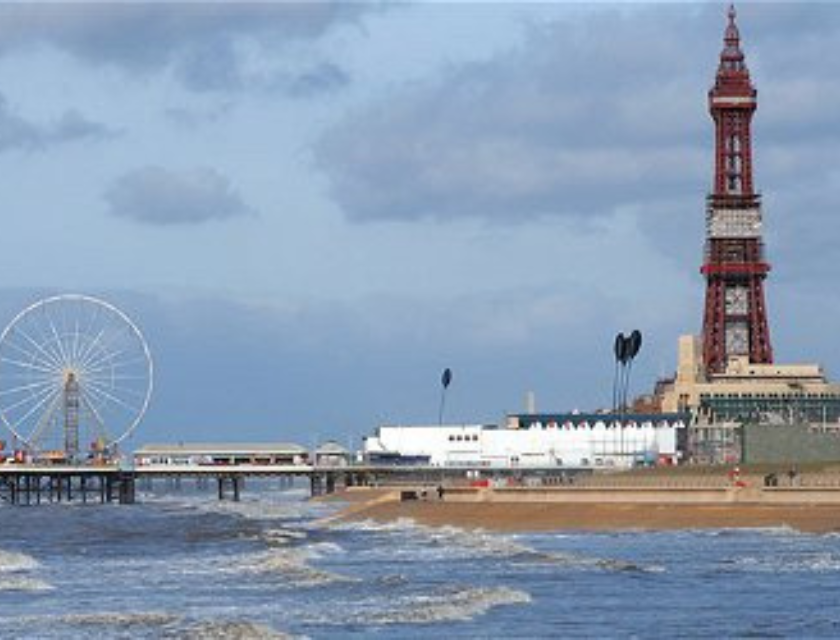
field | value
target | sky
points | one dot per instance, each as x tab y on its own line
312	209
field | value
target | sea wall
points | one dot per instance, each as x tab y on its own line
645	495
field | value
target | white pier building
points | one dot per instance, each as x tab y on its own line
536	440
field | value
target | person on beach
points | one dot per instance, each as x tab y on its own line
440	491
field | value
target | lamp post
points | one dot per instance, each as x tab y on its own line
445	381
625	348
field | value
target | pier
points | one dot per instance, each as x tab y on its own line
30	485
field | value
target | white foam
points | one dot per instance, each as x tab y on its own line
455	605
400	524
821	562
231	630
282	536
13	562
99	621
452	604
290	564
448	542
321	549
781	531
122	620
281	506
15	568
13	582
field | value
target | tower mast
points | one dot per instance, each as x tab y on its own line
735	320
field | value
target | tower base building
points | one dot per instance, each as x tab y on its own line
748	391
727	377
744	392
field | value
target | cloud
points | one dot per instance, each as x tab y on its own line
203	44
17	132
593	114
156	196
325	77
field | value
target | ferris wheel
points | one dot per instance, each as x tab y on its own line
76	375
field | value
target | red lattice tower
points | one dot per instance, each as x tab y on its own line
735	321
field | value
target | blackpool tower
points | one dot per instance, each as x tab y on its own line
735	318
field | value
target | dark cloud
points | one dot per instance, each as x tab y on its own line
199	42
589	115
157	196
17	132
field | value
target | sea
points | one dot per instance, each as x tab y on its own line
181	564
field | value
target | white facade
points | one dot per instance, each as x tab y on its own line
537	441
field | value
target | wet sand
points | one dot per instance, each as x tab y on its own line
604	516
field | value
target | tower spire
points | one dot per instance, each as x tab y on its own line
732	36
735	321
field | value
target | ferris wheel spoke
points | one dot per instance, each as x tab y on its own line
102	378
27	387
29	355
74	347
107	351
117	364
26	365
95	413
91	347
58	341
110	349
45	342
49	356
116	368
140	395
118	391
44	422
33	396
55	393
114	399
104	359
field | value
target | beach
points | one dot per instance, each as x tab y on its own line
660	511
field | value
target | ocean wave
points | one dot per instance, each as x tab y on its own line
819	562
457	604
781	531
263	507
442	543
392	579
119	620
96	623
13	562
369	525
161	624
439	543
320	549
230	630
451	604
282	536
604	564
15	582
15	568
290	564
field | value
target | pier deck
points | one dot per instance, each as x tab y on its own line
27	485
